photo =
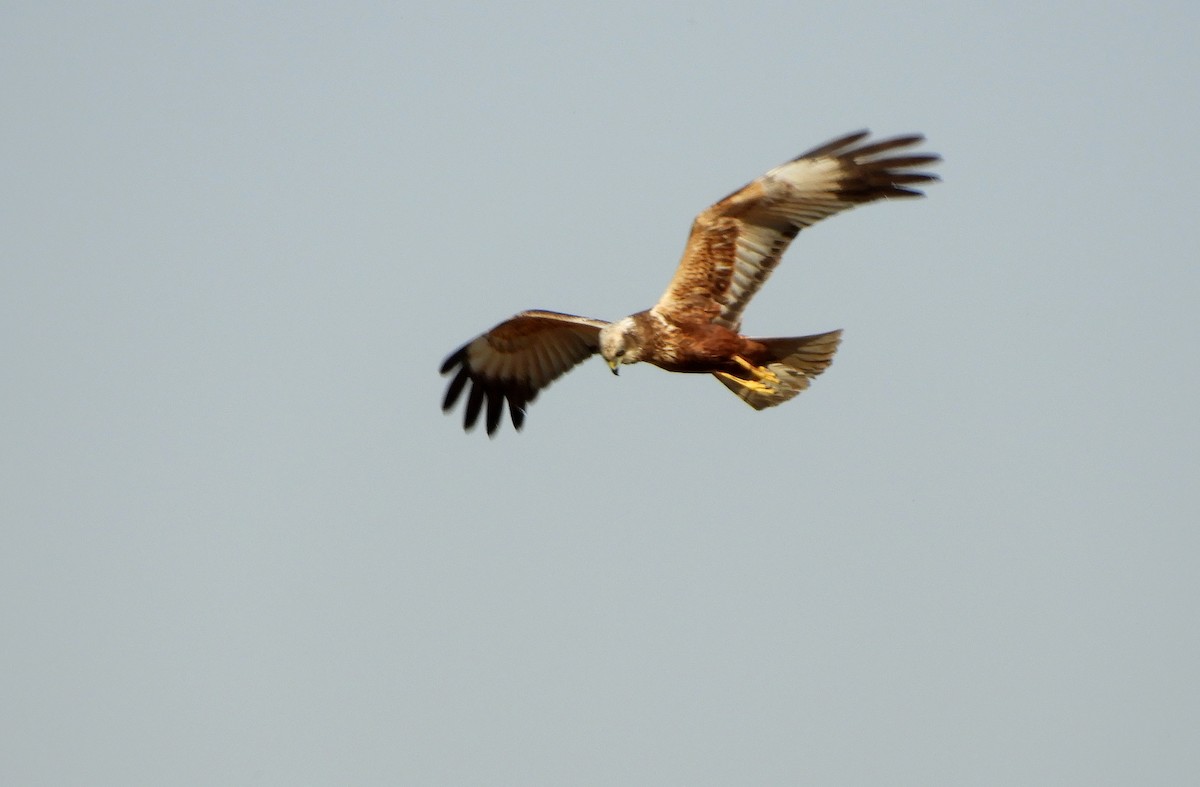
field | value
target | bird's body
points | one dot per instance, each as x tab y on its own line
696	347
696	325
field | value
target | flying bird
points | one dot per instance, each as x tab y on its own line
695	326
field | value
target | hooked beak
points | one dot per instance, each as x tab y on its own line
612	364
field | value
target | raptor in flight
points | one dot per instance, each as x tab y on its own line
695	326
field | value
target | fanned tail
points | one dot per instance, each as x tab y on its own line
795	362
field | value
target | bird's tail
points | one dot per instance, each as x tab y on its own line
794	362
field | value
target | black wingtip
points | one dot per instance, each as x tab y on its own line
454	390
456	358
474	404
834	145
495	408
484	398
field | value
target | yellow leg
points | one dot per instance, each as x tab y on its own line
753	385
761	372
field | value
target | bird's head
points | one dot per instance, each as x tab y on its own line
620	343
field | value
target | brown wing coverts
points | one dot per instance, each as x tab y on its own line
515	360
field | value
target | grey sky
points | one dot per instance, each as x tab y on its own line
242	546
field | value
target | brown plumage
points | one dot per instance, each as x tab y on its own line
695	326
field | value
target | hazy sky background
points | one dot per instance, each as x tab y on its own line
241	544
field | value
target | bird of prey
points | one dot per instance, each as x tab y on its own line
695	326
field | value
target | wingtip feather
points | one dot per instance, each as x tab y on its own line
455	358
834	145
455	389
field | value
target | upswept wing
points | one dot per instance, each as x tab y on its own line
735	244
515	360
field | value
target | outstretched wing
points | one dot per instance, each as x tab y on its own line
735	244
515	360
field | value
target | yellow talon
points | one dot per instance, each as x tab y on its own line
761	372
753	385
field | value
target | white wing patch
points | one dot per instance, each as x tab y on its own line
759	250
